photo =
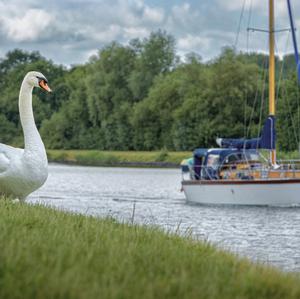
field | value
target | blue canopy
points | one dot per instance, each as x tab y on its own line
267	139
200	152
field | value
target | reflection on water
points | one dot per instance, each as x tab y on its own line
270	235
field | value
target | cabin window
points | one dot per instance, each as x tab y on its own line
234	158
253	157
240	157
213	161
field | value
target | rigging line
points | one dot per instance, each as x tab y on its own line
297	96
298	114
239	26
250	12
248	24
283	88
247	45
254	104
245	112
298	111
286	97
259	80
261	107
262	100
282	66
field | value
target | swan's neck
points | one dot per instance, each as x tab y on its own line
32	138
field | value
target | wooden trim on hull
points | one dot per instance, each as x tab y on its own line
241	182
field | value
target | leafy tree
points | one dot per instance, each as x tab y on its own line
70	126
16	58
288	114
155	56
141	97
13	68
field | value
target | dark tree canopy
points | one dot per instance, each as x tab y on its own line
143	97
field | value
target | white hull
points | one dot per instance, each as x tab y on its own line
272	193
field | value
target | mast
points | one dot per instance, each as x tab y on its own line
272	71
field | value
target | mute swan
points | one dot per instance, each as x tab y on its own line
24	171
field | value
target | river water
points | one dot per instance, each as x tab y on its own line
152	196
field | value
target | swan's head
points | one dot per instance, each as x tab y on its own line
37	79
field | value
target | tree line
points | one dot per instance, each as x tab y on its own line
142	96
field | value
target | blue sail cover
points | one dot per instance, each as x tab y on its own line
265	141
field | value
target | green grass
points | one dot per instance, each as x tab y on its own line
161	158
289	155
50	254
118	158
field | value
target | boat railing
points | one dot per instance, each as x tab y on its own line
245	170
289	161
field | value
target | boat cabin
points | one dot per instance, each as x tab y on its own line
222	163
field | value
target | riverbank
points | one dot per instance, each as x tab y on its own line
118	158
162	159
51	254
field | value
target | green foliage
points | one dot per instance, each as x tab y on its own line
288	115
142	97
117	158
154	56
52	254
12	69
16	58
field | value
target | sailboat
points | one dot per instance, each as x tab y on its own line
235	173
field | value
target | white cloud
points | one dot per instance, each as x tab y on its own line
179	10
193	43
237	4
207	43
134	32
27	27
153	15
181	14
90	53
280	6
78	27
106	35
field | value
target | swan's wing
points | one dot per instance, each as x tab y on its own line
4	163
7	155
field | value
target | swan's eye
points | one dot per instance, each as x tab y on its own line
42	79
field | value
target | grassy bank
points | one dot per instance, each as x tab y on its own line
130	158
118	158
50	254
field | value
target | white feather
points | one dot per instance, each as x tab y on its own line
24	171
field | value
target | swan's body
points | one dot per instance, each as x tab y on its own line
24	171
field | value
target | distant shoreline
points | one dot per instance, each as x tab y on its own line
119	164
141	159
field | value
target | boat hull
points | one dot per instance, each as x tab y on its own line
262	192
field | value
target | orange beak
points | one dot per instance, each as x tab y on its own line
44	86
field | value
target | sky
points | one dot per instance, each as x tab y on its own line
70	31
